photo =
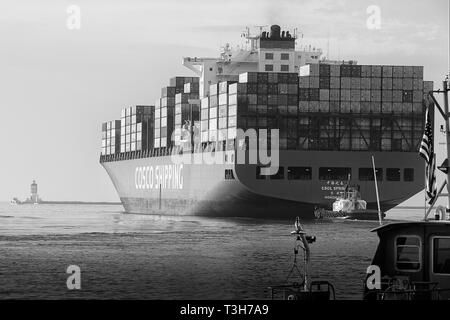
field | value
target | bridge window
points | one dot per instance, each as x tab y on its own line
269	56
408	253
299	173
366	174
408	174
393	174
269	67
328	173
441	255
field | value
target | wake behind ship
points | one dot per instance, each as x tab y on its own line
331	117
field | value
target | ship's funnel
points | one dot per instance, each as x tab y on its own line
275	31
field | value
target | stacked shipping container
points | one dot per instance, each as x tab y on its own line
218	114
334	107
368	107
136	128
269	101
165	111
187	114
111	137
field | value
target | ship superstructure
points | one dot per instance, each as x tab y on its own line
331	118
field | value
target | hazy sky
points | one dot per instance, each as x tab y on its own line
58	85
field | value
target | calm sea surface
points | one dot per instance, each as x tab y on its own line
125	256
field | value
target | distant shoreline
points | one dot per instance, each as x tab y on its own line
74	202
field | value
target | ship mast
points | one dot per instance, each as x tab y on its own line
447	132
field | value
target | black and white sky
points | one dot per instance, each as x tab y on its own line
58	85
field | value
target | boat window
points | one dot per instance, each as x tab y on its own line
229	174
366	174
393	174
279	175
408	174
408	253
299	173
327	173
441	255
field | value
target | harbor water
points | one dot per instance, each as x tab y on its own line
124	256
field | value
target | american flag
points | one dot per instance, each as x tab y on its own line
426	152
430	176
426	147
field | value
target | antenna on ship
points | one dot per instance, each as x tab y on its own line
253	38
376	190
302	241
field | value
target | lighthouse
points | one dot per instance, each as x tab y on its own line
34	195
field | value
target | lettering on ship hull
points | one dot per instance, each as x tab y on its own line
168	176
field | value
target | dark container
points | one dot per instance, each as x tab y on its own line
262	88
262	99
242	88
282	100
407	96
262	77
324	82
356	71
292	78
324	70
252	88
272	88
272	99
168	92
283	77
314	94
346	70
272	77
303	94
292	99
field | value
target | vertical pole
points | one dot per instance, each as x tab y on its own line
425	192
160	196
376	190
447	132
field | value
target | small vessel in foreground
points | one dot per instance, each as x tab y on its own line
306	289
414	259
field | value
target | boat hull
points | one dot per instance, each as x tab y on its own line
157	185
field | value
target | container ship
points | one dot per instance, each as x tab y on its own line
327	117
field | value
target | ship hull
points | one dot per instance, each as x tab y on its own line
161	186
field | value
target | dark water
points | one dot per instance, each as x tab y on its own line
152	257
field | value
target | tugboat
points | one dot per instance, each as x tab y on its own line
349	205
304	288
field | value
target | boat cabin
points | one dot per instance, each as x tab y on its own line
414	261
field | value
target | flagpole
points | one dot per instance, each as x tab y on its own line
425	192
